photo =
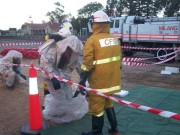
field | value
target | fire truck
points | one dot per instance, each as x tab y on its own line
136	31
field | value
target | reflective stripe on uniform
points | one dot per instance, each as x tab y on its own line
107	60
100	114
109	89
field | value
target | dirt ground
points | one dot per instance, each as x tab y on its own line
14	104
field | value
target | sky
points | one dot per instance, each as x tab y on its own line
14	13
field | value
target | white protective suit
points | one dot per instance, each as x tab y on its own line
59	105
6	71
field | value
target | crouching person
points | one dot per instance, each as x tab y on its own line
61	57
11	73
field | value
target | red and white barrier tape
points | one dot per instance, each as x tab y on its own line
163	113
133	63
127	59
21	43
8	64
145	64
123	47
144	48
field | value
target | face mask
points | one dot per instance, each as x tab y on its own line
16	61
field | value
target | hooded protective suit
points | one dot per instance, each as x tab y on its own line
7	71
61	58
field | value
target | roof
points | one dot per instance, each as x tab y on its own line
54	26
35	26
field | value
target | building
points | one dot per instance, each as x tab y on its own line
12	32
39	29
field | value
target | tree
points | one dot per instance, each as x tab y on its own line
133	7
126	7
111	7
57	15
88	9
147	8
170	7
120	8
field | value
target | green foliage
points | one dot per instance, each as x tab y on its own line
170	7
143	7
133	7
88	9
147	8
111	6
79	23
57	15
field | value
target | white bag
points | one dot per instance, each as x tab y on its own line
64	110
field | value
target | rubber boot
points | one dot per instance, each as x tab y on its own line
97	126
112	121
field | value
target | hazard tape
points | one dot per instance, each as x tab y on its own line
21	43
162	113
127	59
127	63
132	61
144	48
10	65
124	47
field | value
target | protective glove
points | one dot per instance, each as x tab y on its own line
16	61
16	70
23	76
56	83
56	37
83	77
80	90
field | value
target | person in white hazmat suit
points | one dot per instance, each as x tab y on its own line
9	72
61	58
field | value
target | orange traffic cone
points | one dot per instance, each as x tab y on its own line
35	116
35	124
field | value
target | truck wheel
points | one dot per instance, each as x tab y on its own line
128	53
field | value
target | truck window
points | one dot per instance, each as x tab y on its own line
111	24
116	23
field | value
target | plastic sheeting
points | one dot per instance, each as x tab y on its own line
64	110
132	121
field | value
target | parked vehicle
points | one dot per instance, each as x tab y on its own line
136	31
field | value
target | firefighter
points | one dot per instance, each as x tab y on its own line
101	66
11	73
61	58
